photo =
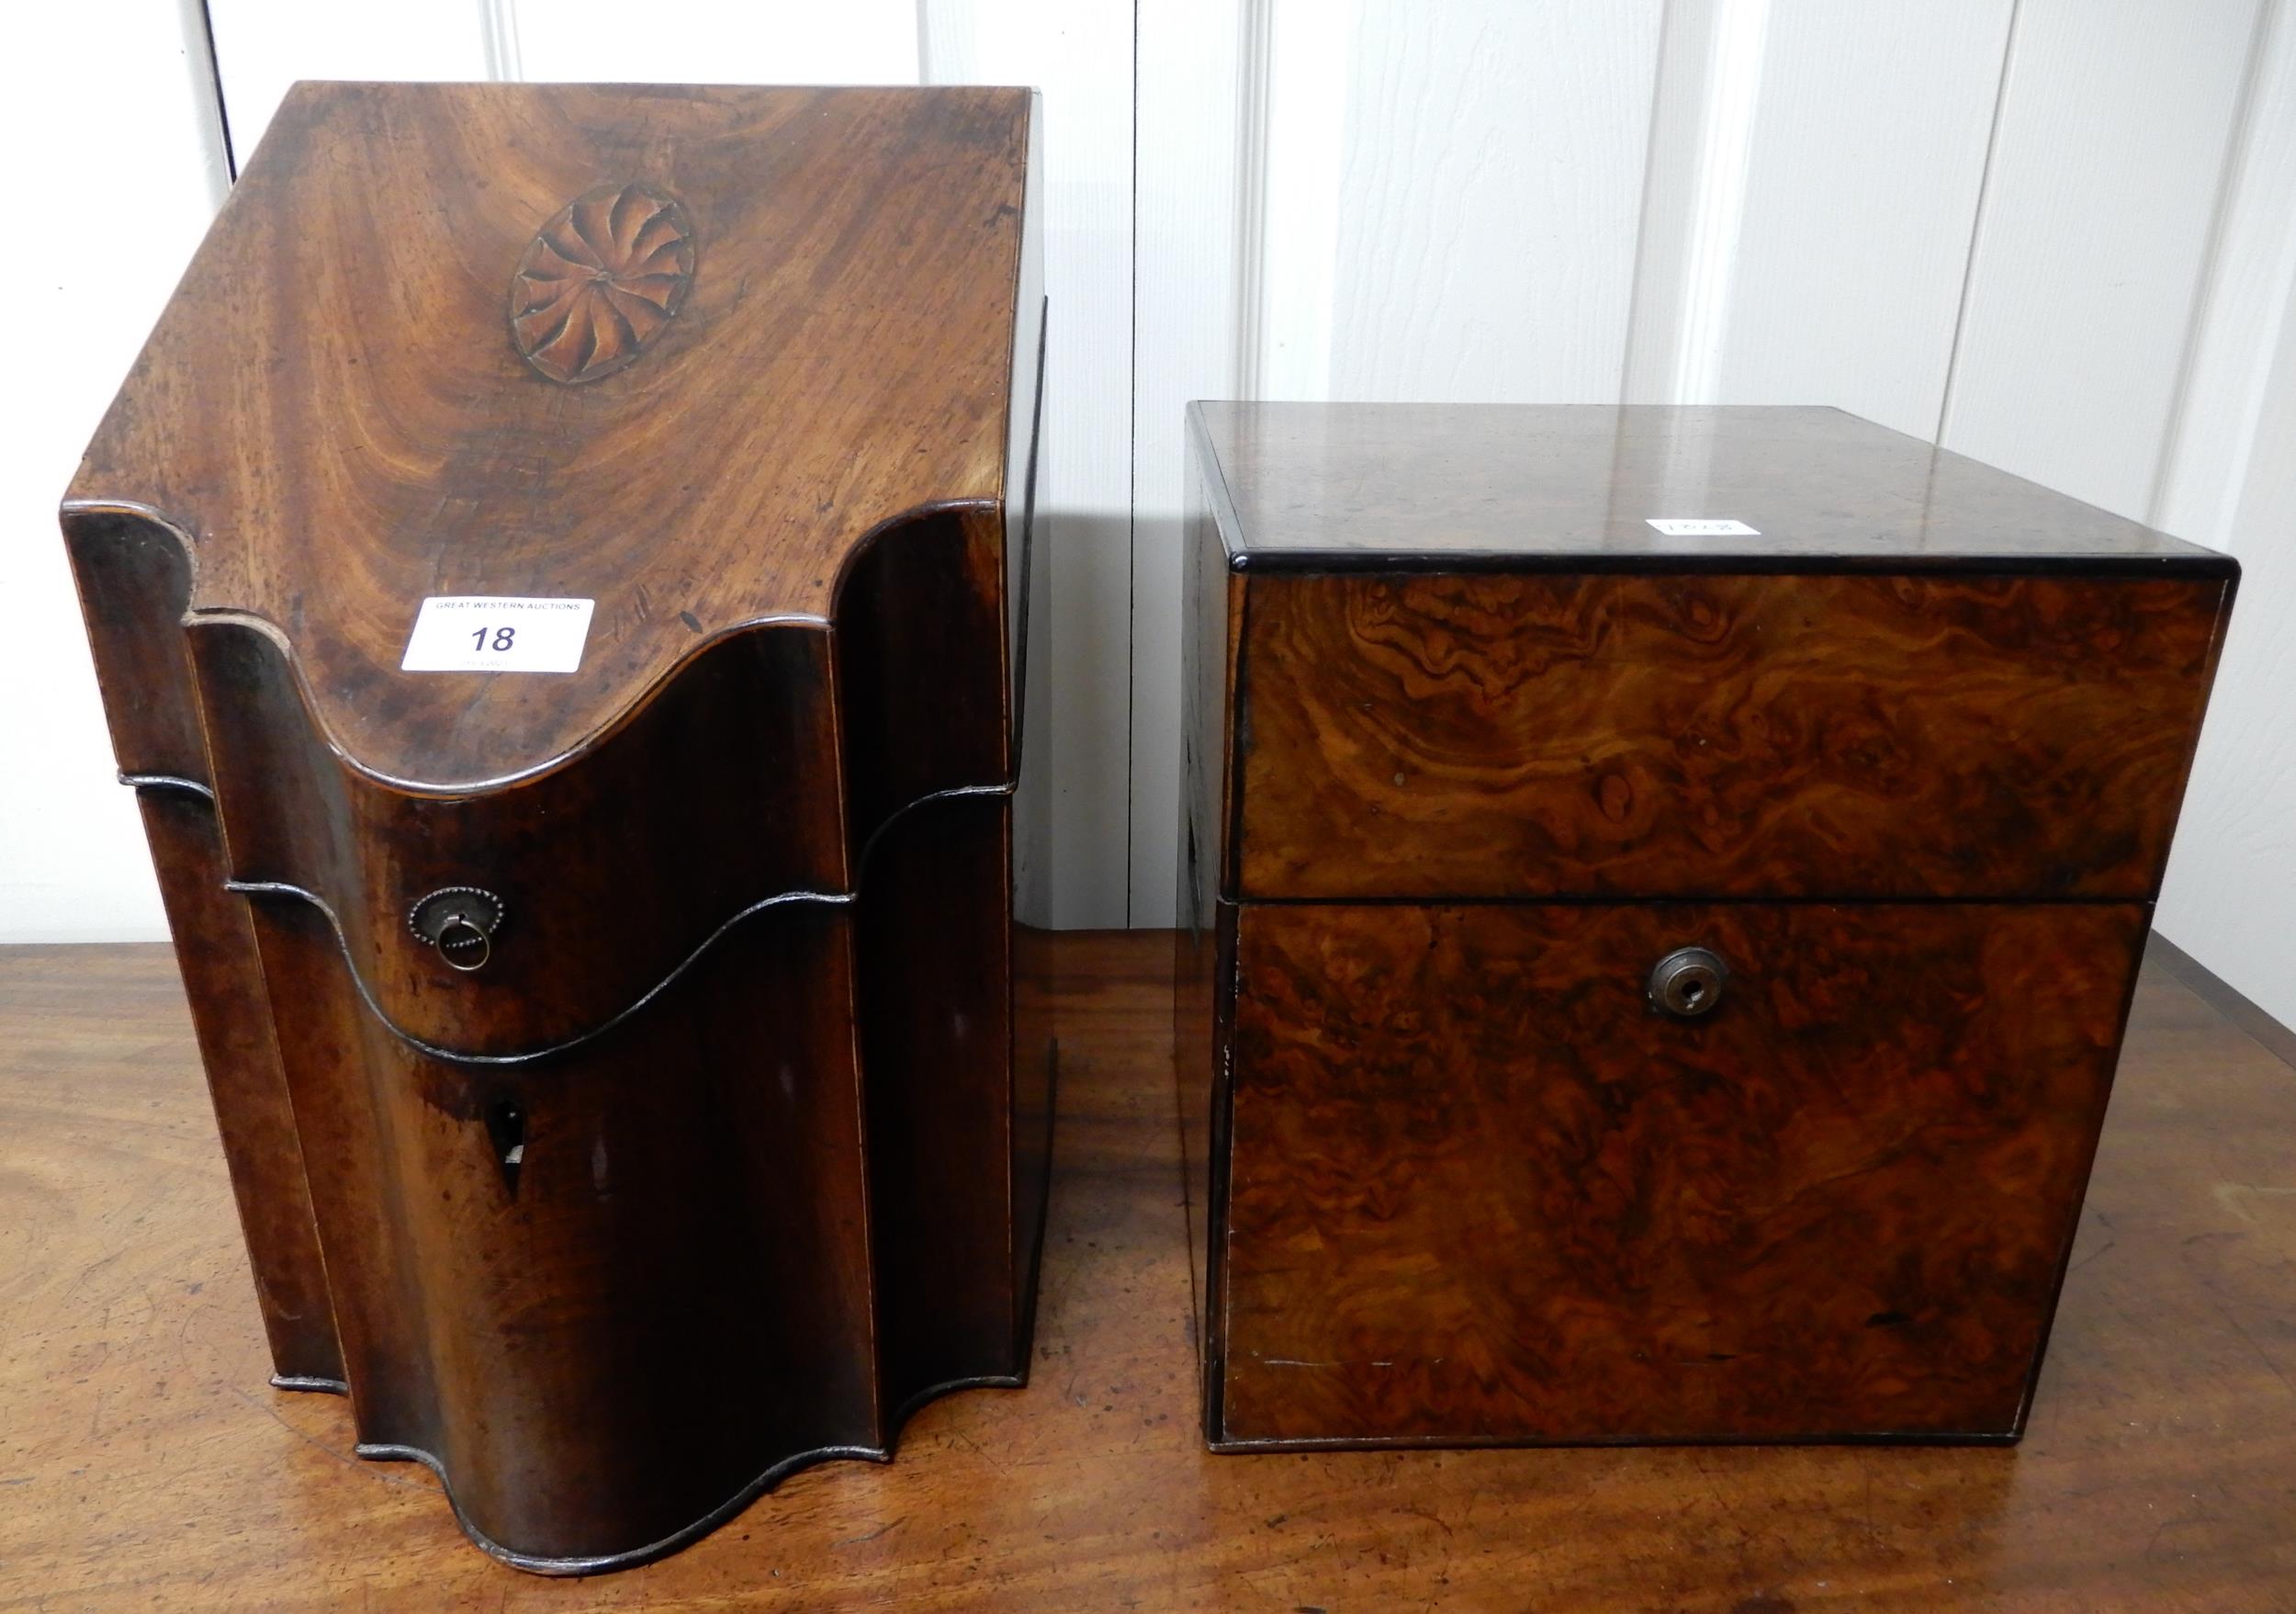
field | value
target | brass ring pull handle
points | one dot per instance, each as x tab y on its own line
1687	983
456	940
461	922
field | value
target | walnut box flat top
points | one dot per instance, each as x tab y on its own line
678	351
1313	486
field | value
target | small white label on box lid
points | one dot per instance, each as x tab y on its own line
1702	527
490	633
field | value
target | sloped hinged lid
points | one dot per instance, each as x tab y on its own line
698	357
797	324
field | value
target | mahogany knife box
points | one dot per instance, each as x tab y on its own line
1661	891
628	1065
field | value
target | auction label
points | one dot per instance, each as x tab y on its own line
486	633
1702	529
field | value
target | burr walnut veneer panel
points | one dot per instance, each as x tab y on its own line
1643	985
1568	734
1479	1190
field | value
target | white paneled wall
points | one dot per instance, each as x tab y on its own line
1188	293
2228	477
113	108
1490	192
1863	152
2056	234
263	46
2116	121
1080	53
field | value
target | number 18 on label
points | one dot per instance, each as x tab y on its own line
484	633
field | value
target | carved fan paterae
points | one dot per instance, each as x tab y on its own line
601	281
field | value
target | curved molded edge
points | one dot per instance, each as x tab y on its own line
450	1055
686	1535
454	1056
157	521
198	616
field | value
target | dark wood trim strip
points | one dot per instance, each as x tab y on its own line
528	1056
1690	894
215	84
602	1563
1224	521
1640	563
1221	1447
2213	989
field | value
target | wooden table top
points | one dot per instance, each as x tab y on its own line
142	1459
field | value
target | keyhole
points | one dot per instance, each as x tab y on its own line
506	1127
1687	983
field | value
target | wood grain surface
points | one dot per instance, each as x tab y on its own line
672	1293
133	581
246	1081
335	413
951	1153
594	1203
1479	1190
1706	735
1312	486
142	1462
721	792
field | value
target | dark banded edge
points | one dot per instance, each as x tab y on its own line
310	1383
454	1056
603	1563
1442	562
165	782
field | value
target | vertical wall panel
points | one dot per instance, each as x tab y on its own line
2217	429
1188	276
1301	68
1490	183
1079	53
266	45
113	107
1706	90
1865	158
2115	121
2230	898
1815	174
263	46
707	41
2231	892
